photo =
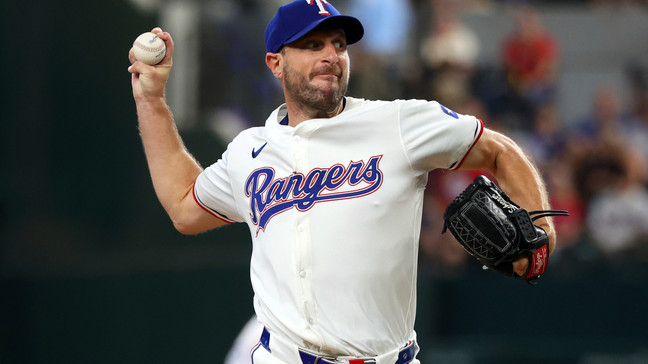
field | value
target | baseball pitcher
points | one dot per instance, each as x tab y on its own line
331	189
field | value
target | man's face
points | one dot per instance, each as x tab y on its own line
316	69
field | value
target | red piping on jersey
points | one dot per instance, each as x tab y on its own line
193	190
481	131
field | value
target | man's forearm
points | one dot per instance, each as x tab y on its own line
173	169
520	179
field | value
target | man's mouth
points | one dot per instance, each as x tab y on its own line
327	74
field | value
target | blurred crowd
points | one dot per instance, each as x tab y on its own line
594	166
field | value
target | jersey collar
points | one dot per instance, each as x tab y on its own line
284	121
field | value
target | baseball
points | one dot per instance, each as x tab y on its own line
149	48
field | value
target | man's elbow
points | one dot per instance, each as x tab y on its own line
190	223
184	223
185	228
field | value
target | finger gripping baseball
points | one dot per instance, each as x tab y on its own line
496	231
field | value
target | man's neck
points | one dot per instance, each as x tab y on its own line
299	113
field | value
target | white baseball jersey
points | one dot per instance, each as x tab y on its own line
334	209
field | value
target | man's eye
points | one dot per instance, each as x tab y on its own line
311	45
340	45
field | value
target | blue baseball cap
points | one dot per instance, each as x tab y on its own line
299	17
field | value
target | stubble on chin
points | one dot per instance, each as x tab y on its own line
324	99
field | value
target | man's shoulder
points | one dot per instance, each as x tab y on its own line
353	103
382	106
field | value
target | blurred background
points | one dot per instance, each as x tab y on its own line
92	271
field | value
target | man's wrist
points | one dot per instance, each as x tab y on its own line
150	99
151	105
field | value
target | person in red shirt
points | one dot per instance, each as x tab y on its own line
530	58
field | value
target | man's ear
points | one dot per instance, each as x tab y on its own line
273	61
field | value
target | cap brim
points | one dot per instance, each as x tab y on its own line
352	27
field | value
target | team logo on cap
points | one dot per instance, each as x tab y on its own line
270	196
320	5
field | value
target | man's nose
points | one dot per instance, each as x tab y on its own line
330	53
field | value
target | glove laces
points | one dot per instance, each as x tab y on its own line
537	214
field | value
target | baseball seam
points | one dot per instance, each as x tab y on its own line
147	48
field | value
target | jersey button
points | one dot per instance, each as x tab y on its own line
300	228
311	320
297	138
302	274
298	156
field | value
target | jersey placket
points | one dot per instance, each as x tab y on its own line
302	242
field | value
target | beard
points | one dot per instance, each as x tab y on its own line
319	98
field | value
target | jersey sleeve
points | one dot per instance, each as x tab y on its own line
213	191
435	136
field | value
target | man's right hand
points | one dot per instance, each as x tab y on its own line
149	81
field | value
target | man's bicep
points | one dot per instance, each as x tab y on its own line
484	152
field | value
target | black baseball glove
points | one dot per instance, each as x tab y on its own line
496	231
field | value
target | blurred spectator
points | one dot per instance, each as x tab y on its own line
597	167
617	211
530	58
448	53
610	124
379	60
607	121
637	132
618	220
546	140
564	196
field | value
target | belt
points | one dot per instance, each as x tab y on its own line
405	355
